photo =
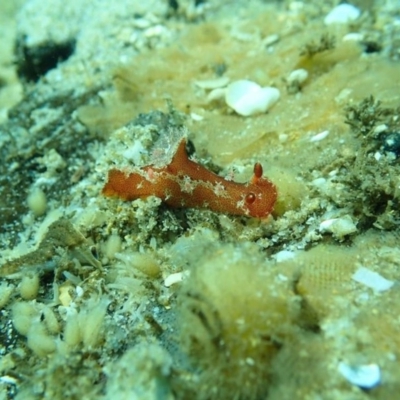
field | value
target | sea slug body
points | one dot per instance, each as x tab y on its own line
184	183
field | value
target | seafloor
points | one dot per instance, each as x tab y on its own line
102	298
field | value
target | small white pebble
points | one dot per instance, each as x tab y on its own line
380	128
342	14
353	37
339	227
333	173
155	31
319	136
172	279
8	380
372	279
213	83
326	225
283	137
284	255
364	376
249	98
298	75
319	183
196	117
282	278
270	39
141	23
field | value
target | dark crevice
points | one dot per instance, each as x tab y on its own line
33	62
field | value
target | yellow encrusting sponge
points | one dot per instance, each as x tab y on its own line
235	312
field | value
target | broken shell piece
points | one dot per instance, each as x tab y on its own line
372	279
141	23
342	14
177	277
353	37
339	227
298	75
196	117
8	380
271	39
249	98
363	376
284	255
319	136
213	83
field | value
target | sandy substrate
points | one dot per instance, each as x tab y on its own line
111	299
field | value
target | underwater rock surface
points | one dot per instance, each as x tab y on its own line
136	299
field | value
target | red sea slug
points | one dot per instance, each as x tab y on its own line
184	183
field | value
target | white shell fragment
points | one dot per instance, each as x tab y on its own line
364	376
196	117
372	279
172	279
298	75
271	39
213	83
319	136
342	14
377	155
339	227
249	98
284	255
8	380
353	37
380	128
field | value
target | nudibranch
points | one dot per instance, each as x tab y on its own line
184	183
